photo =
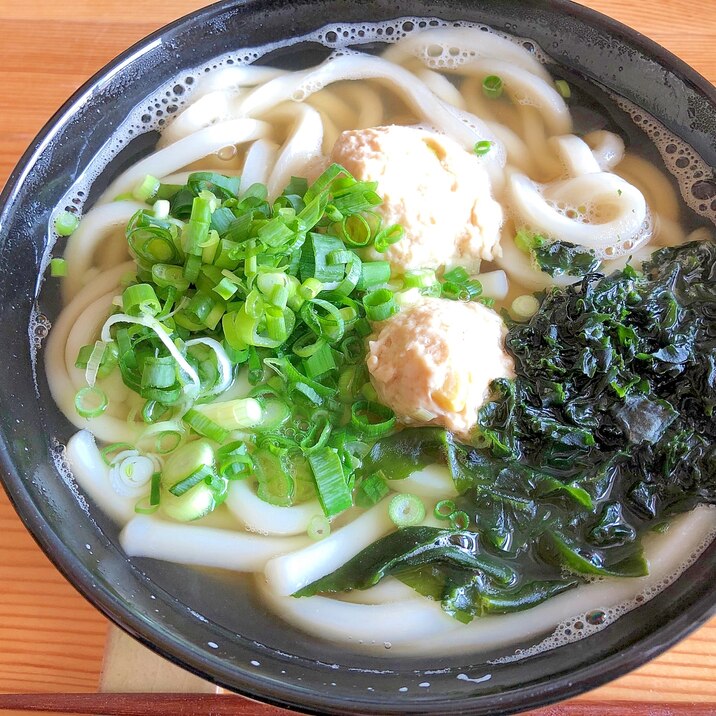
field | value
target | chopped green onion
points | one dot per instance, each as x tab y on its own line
419	278
110	452
147	189
457	275
276	485
195	503
524	307
380	305
204	426
237	414
154	491
274	414
481	148
318	527
186	460
444	509
372	419
58	268
406	510
234	461
310	288
525	241
372	490
459	520
94	361
140	299
201	473
563	88
315	263
90	402
144	506
161	208
492	86
333	492
356	231
373	273
387	237
320	362
66	223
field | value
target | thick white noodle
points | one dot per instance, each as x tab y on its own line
602	191
84	332
83	243
300	85
366	102
518	154
260	157
450	48
301	149
494	284
232	79
432	482
655	186
387	590
330	104
206	110
667	232
185	151
575	154
105	427
150	536
442	88
259	516
289	573
92	474
362	625
607	148
524	88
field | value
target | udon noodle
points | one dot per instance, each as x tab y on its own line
268	125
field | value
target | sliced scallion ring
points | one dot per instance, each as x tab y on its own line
90	402
406	510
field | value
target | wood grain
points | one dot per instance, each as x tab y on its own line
51	640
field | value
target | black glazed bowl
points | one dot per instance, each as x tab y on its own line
200	620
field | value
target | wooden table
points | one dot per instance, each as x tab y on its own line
51	640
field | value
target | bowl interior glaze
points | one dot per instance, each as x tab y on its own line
206	621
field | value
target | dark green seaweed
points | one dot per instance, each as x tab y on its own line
605	433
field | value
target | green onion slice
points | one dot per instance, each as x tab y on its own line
380	305
58	268
90	402
406	510
66	223
372	419
318	527
492	87
333	491
444	509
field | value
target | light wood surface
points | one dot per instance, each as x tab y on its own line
51	640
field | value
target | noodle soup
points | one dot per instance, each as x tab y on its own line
282	345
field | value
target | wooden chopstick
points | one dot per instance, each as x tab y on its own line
219	705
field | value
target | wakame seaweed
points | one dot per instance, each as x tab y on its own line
563	257
606	431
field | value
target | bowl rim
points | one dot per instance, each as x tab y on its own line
560	687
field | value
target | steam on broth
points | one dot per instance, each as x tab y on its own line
283	348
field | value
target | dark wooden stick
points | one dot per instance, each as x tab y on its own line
221	704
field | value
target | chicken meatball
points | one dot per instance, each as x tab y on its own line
433	362
436	190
